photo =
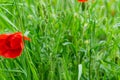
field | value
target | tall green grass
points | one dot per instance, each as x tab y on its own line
63	35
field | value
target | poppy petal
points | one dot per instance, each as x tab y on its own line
12	53
3	36
82	0
26	38
11	45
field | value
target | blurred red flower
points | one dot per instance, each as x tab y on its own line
11	45
82	0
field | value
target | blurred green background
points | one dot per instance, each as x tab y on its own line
64	34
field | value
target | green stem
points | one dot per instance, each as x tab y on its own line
92	42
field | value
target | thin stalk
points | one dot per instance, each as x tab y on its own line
92	42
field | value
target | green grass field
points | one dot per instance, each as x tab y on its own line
64	34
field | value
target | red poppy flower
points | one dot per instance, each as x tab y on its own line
11	45
82	0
